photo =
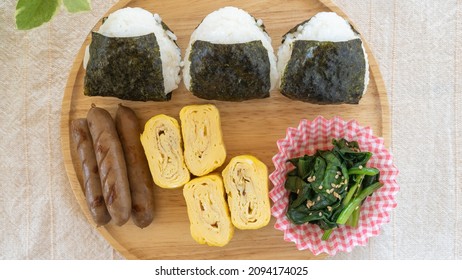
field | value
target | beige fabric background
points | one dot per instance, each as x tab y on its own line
418	45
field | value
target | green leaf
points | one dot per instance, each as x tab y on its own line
33	13
74	6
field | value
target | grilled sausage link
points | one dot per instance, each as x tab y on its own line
92	183
139	176
111	164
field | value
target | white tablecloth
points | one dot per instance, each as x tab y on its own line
418	45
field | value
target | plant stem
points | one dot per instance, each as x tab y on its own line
352	191
355	203
363	171
354	218
326	234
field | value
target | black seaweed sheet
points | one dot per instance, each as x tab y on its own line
229	72
128	68
325	72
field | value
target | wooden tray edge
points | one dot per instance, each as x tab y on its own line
375	72
64	124
65	147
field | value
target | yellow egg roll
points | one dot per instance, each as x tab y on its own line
208	212
161	140
246	183
204	150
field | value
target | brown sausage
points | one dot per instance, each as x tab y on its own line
92	183
111	164
139	176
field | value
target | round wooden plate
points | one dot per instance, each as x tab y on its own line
250	127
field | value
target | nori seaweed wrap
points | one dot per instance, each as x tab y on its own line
230	58
323	61
127	68
229	72
133	56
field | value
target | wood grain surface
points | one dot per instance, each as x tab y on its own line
250	127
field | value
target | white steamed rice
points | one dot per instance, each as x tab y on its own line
132	22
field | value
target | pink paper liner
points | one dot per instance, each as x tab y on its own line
306	139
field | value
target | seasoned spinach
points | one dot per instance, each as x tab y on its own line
328	188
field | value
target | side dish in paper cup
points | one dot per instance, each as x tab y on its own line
334	185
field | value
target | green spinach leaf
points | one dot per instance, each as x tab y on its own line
328	188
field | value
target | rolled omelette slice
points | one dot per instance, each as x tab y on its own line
204	150
161	140
208	212
246	183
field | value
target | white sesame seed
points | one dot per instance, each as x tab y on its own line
360	167
320	214
320	187
336	176
309	203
